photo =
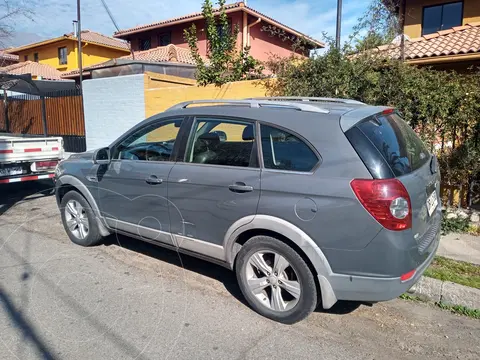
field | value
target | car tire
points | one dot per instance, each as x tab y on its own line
84	218
297	272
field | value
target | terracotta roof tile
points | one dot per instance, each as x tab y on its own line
87	36
445	32
458	40
169	53
6	56
95	37
36	69
172	20
236	5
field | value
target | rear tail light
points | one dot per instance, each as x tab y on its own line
44	165
386	200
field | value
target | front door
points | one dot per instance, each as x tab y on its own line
132	189
217	184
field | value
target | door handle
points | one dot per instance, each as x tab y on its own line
153	180
240	187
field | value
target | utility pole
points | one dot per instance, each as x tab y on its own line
79	38
402	29
339	24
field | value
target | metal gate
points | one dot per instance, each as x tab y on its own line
22	114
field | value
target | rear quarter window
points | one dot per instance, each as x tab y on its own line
284	151
396	142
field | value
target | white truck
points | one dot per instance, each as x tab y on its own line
28	158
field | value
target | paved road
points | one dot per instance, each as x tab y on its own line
128	300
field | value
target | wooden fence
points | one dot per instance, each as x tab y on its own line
64	115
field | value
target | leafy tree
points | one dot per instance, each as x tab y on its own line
442	106
224	62
370	41
11	12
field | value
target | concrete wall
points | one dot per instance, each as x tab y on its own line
160	98
414	14
160	95
112	106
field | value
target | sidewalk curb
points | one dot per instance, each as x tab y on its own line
446	292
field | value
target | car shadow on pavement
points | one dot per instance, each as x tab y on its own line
28	331
214	271
187	262
12	194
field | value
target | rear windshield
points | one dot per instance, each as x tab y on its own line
395	140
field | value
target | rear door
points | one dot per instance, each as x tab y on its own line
217	184
409	161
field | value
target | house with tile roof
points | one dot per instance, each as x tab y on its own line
251	24
61	53
170	55
38	71
7	59
444	34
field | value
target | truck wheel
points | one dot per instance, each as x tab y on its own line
275	280
79	220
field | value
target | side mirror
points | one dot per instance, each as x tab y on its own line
102	156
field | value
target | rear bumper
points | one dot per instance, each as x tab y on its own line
29	177
374	289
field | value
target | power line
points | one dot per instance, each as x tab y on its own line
110	15
105	6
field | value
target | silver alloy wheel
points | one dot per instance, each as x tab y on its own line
76	219
272	280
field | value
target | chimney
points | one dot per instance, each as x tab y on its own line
75	28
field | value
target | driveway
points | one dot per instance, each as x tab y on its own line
131	300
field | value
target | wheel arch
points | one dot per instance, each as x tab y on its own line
67	183
245	228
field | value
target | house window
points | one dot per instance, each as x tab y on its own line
62	56
442	17
145	44
35	57
220	30
25	58
164	39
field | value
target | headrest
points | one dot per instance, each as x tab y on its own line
248	133
211	138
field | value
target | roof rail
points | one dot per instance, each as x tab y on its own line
253	103
310	99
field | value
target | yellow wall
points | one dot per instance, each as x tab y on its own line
414	13
166	91
161	97
92	54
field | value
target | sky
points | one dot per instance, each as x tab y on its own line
52	18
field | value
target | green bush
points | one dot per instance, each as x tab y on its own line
457	225
442	106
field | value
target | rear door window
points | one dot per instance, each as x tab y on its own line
396	141
222	142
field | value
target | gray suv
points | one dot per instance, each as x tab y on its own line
308	200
